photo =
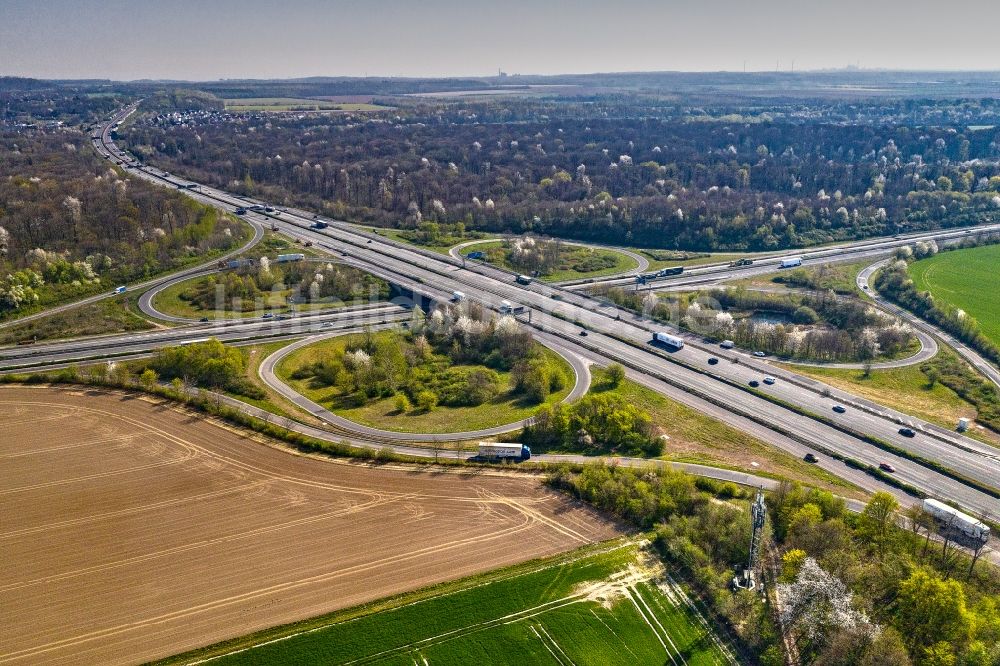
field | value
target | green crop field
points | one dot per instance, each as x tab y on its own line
609	604
964	278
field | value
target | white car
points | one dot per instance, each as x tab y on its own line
769	380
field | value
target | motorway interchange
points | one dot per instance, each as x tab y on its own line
794	414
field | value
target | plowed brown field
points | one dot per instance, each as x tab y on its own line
130	530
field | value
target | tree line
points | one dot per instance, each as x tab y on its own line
71	225
658	181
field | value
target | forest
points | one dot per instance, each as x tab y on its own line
70	225
652	175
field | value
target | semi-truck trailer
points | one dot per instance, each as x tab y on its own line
676	270
282	258
741	262
495	451
667	340
956	524
790	262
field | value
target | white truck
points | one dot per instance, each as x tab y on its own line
458	296
790	262
282	258
955	524
667	340
120	290
495	451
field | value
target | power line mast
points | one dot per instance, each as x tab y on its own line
745	580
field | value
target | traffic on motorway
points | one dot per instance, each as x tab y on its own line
789	404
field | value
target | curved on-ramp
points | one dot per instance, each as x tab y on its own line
642	264
154	282
966	352
581	370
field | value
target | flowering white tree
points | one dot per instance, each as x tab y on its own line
357	359
4	241
507	326
817	602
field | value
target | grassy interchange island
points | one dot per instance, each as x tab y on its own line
553	260
454	374
265	285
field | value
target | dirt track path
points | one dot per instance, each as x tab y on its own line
132	531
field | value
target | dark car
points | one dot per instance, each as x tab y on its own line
268	316
583	333
886	467
840	409
713	361
754	383
907	432
203	319
810	458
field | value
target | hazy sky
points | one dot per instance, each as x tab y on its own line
209	39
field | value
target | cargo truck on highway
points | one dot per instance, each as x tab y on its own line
120	290
676	270
457	296
523	279
667	340
790	262
957	525
283	258
495	451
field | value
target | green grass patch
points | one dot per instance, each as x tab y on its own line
524	614
962	278
668	258
441	243
170	302
383	413
698	438
837	277
118	314
575	262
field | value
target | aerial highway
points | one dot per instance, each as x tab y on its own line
232	330
794	406
842	252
